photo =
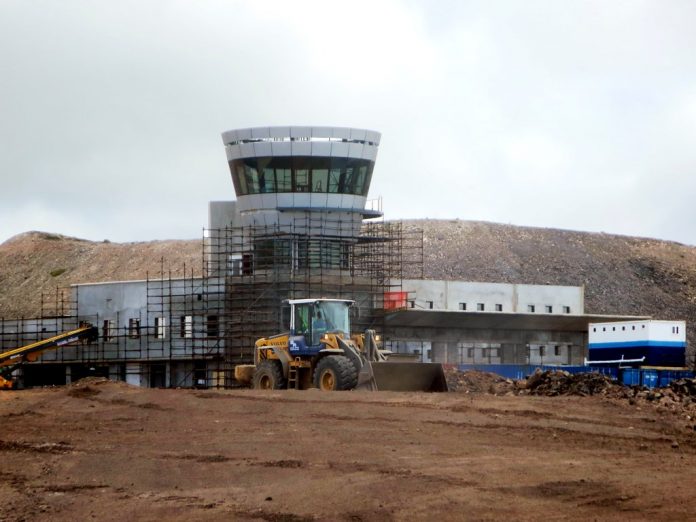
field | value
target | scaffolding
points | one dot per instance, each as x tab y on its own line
191	329
56	315
252	270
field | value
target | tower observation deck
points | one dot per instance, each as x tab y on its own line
282	173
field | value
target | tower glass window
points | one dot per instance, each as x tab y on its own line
278	174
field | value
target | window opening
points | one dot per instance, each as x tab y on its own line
134	328
212	326
186	326
108	330
160	327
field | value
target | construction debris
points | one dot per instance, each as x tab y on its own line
559	382
684	387
477	382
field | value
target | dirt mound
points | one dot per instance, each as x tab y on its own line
472	381
557	382
83	392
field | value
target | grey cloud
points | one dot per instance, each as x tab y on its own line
556	114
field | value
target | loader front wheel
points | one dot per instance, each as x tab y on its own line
269	376
335	372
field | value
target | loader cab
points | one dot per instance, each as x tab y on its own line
312	318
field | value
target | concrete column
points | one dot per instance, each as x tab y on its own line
452	353
439	352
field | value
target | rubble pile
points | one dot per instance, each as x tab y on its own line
557	382
684	387
472	381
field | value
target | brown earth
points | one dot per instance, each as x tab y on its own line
34	264
621	275
108	451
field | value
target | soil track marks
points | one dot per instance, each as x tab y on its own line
116	452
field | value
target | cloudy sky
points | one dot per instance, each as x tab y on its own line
566	114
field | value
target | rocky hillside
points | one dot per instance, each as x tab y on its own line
622	275
36	263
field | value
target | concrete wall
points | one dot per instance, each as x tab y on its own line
488	346
221	214
452	295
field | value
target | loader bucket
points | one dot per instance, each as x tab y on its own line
402	376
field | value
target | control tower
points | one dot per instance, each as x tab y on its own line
301	197
282	173
297	230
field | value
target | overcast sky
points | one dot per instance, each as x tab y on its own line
564	114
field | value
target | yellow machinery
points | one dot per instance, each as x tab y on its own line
319	351
12	359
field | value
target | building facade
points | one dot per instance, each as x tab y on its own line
301	226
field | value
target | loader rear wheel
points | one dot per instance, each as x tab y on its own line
335	372
269	376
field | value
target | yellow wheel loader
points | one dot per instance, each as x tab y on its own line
319	351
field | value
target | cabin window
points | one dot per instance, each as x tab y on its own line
566	309
480	307
549	309
498	308
530	309
462	306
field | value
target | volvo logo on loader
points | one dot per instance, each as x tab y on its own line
327	356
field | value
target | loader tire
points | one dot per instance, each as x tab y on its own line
269	376
335	372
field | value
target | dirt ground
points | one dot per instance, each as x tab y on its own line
108	451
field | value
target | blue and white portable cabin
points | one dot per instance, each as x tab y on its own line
637	343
